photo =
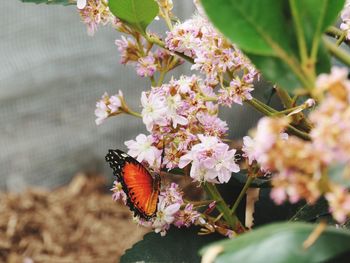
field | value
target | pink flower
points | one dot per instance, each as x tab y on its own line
174	103
118	193
154	109
339	203
128	49
165	216
101	110
143	150
186	217
212	124
337	76
172	194
93	13
211	160
248	149
278	195
115	102
345	16
146	66
108	106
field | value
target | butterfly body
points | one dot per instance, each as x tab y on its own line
141	188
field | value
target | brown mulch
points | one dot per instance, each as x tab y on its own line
75	223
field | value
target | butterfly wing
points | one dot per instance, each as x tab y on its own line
141	188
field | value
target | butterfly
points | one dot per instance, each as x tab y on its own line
141	188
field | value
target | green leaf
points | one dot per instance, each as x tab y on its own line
312	213
137	13
61	2
282	242
179	245
265	31
256	26
240	179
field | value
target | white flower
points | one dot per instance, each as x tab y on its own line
81	4
173	103
142	149
154	110
248	149
165	216
101	110
115	102
211	160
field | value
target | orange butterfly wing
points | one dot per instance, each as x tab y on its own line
141	188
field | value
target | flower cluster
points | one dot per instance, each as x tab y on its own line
138	53
345	16
300	167
108	106
171	210
93	13
174	114
211	160
331	133
214	56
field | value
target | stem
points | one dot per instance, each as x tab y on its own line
336	33
161	44
161	77
289	103
300	33
299	133
341	39
242	194
223	208
337	52
153	81
133	113
258	106
287	111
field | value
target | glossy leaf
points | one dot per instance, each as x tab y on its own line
266	31
283	242
240	179
179	245
61	2
312	213
137	13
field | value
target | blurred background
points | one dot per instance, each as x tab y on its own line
51	74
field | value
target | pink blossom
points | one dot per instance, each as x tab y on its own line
146	66
345	16
93	13
278	195
212	124
186	217
115	102
248	149
128	49
172	194
143	150
339	203
211	160
108	106
174	103
118	193
154	109
101	110
338	75
165	216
